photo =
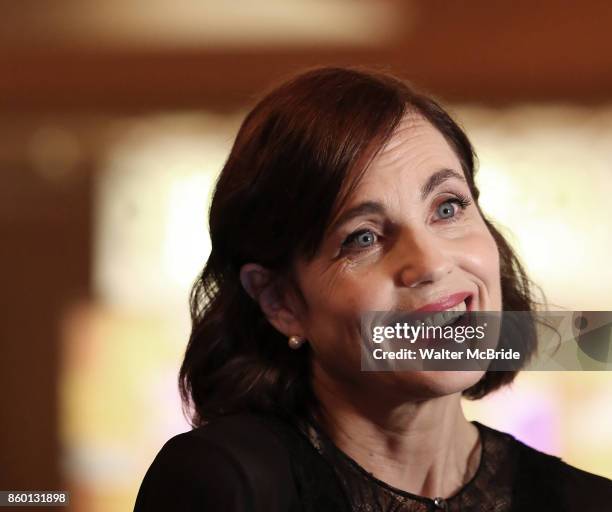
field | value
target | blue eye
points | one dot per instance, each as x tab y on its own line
447	212
446	209
360	239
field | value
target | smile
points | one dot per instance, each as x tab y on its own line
447	316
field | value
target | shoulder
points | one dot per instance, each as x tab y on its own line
577	489
249	437
547	479
236	462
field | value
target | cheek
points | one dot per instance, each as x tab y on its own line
336	303
481	259
347	292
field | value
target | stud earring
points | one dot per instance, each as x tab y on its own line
295	342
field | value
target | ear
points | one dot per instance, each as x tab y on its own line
261	285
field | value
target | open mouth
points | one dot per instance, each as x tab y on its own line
450	316
458	315
469	302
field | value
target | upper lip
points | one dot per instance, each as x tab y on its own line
445	302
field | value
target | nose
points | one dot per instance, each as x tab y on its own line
424	259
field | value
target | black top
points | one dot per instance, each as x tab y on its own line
260	462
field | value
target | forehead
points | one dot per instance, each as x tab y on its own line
410	163
415	150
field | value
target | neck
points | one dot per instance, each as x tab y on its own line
424	447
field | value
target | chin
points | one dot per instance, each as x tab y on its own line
434	384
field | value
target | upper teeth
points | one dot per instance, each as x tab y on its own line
447	316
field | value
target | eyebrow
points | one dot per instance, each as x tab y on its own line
376	208
436	179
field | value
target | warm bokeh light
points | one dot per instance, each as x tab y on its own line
234	23
152	200
116	119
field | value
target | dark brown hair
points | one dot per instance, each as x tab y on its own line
291	167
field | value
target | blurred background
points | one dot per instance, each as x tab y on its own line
115	119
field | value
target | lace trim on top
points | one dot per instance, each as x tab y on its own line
490	489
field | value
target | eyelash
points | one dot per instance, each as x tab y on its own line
460	199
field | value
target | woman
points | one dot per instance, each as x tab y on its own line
347	192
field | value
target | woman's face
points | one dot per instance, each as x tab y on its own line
409	235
